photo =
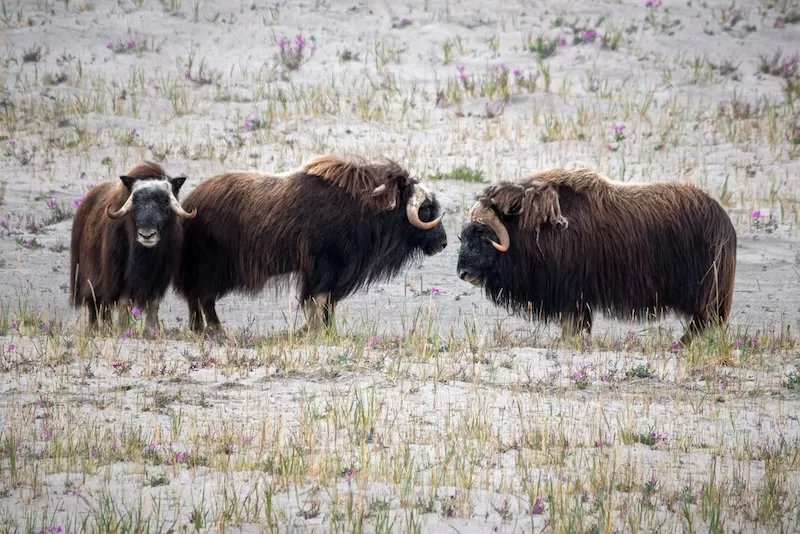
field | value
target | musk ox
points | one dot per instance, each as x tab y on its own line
126	238
563	244
336	225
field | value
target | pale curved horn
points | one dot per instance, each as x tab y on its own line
178	209
412	210
486	216
123	211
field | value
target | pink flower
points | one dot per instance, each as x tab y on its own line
676	347
562	41
136	312
435	291
778	23
110	46
517	73
77	202
756	214
153	331
11	347
372	341
14	325
126	334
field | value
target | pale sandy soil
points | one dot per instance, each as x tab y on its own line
456	416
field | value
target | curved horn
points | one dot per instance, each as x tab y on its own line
178	209
123	211
412	210
486	216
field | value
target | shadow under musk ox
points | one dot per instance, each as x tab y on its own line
126	239
338	225
564	244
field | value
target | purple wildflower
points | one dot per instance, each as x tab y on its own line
12	143
778	23
756	214
3	224
230	448
136	312
52	203
153	331
517	73
372	341
116	446
11	347
461	75
179	457
619	128
110	46
126	334
755	341
131	44
14	325
737	343
435	291
283	44
299	41
562	41
676	347
153	446
588	35
537	508
77	202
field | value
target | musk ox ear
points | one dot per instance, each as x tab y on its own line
177	183
127	181
542	205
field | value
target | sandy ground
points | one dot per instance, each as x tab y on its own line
200	86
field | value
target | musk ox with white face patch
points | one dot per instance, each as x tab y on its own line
337	225
126	239
565	244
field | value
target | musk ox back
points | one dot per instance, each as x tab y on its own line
125	243
563	244
336	225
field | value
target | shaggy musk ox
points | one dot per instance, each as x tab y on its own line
125	243
563	244
337	225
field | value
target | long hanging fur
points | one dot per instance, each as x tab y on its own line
103	264
336	225
582	244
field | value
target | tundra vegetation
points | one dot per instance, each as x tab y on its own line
429	408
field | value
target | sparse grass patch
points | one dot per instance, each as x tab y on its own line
460	174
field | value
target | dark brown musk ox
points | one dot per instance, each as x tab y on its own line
564	244
126	238
336	225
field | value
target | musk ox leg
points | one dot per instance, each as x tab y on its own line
123	313
318	312
151	314
574	324
195	316
210	311
696	327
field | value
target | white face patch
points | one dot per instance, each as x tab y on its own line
140	185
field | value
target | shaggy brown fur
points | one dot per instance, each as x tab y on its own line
337	225
580	243
107	265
